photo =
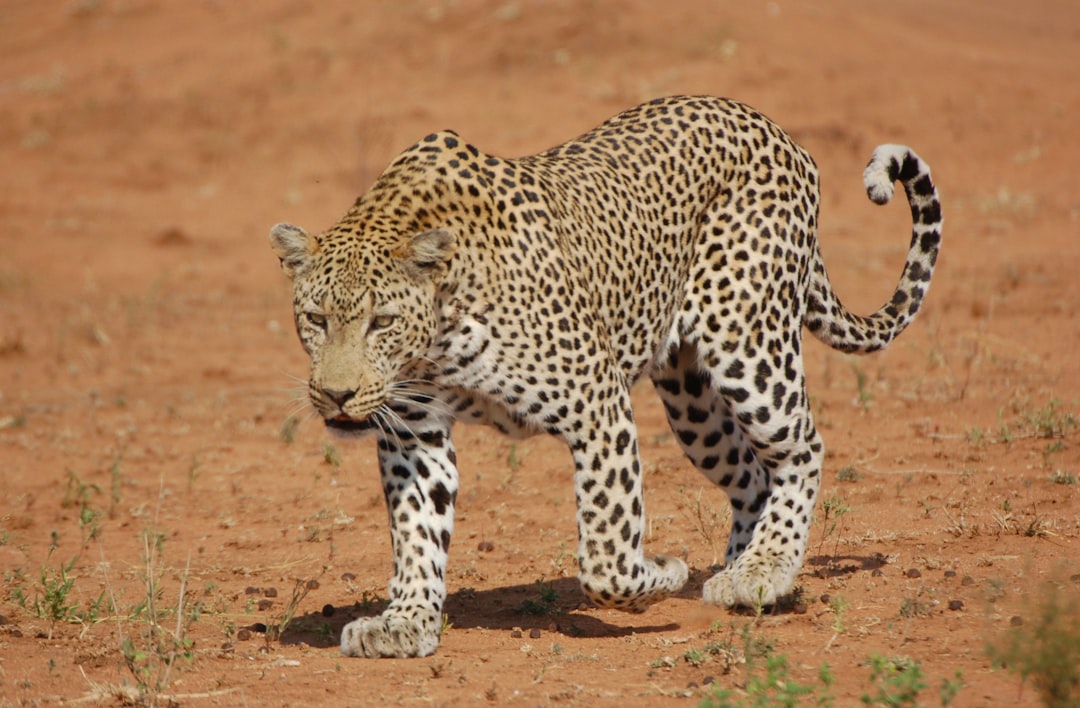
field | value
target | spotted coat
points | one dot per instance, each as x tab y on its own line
676	241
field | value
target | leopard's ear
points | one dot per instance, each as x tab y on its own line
294	248
426	256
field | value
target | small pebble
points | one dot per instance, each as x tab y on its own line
955	605
534	633
313	584
967	580
485	546
516	634
251	590
825	599
913	573
243	635
258	627
265	605
1075	578
799	609
348	577
692	685
227	646
269	592
876	573
708	681
950	573
1016	620
4	619
328	611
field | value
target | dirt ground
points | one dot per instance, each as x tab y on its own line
155	500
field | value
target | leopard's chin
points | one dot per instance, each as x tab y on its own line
349	426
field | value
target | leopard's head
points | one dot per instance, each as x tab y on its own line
365	311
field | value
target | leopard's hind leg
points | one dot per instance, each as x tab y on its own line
713	441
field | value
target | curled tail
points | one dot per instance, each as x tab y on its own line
826	317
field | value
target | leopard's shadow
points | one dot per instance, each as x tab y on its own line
549	606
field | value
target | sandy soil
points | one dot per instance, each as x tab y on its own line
148	365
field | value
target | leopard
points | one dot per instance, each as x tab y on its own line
675	241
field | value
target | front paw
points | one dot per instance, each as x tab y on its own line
747	584
388	636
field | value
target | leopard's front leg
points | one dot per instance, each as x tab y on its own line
613	569
420	483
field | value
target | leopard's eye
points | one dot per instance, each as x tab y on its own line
381	321
316	320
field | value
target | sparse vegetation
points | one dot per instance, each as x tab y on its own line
331	456
834	509
865	396
544	605
115	484
838	606
896	681
153	650
916	606
80	495
950	688
709	522
1049	422
769	682
52	598
1063	477
848	474
301	588
1044	647
289	428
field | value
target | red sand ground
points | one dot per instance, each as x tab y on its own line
147	362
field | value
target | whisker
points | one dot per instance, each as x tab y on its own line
427	381
422	391
434	407
295	378
378	423
379	417
392	418
415	385
439	367
298	393
299	407
420	398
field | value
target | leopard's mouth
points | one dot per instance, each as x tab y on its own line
345	424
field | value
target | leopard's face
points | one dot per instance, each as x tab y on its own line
364	312
359	340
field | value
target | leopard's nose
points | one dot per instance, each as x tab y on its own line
339	397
